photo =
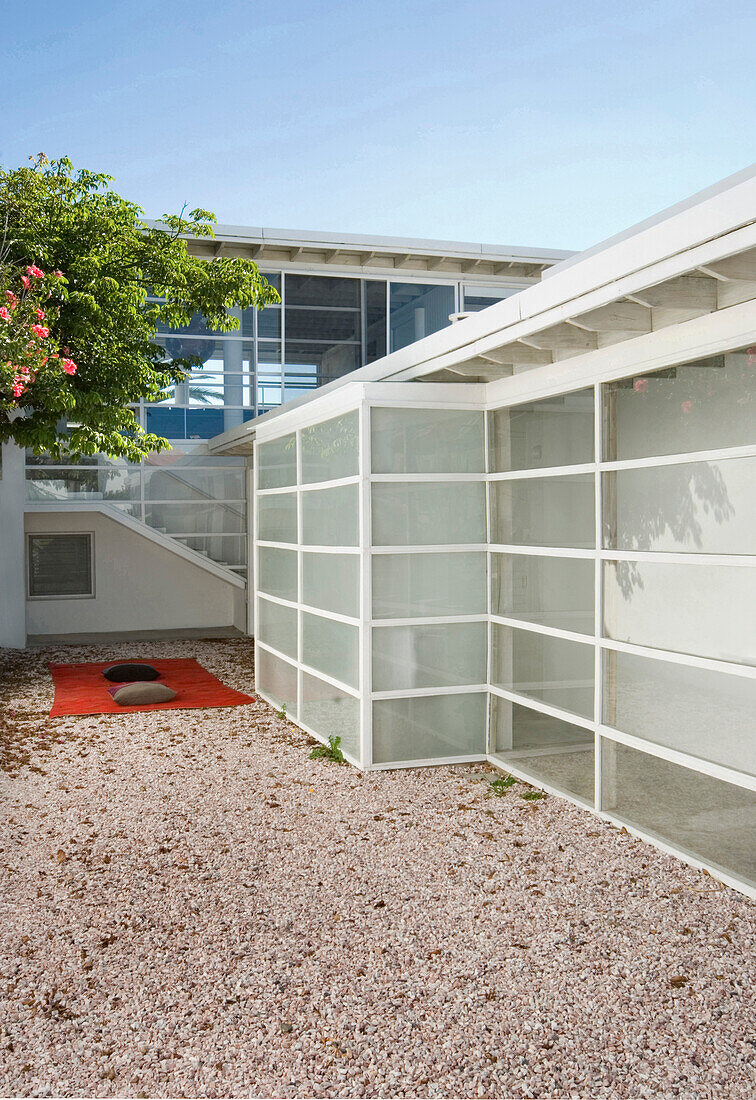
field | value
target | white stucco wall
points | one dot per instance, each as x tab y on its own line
12	576
139	585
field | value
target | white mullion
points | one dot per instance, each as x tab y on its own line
695	764
278	490
255	550
543	551
300	560
279	600
598	597
544	708
348	689
663	557
433	762
334	483
688	659
426	478
286	657
717	454
366	611
267	544
539	628
307	549
545	471
489	631
275	652
283	344
430	620
454	402
436	548
334	616
430	692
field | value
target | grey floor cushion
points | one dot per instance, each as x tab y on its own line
129	695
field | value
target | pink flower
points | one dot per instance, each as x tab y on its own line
40	314
26	281
68	366
34	271
4	313
58	274
40	331
18	386
686	406
11	299
640	385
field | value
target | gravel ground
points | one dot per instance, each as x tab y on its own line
190	906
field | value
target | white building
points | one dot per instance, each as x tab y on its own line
528	537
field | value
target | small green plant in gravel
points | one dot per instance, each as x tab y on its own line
502	784
282	712
532	796
331	751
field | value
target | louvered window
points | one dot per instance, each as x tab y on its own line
60	565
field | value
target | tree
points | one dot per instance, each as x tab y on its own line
77	252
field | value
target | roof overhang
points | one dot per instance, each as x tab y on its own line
695	260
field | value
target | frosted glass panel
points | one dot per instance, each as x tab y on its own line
700	507
711	715
432	655
331	713
428	514
277	518
554	592
331	450
332	582
547	748
330	517
706	610
331	647
277	679
428	728
277	572
421	441
544	511
428	584
552	670
277	626
706	817
277	462
557	431
694	407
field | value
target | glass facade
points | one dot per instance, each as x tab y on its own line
547	585
324	327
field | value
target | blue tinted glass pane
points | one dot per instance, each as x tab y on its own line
269	323
418	309
166	422
203	423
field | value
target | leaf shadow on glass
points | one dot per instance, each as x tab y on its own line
681	494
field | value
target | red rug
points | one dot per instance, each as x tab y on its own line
82	689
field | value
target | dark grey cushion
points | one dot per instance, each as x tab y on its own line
118	674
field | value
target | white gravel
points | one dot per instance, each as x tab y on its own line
190	906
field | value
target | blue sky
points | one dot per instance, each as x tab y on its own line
526	122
